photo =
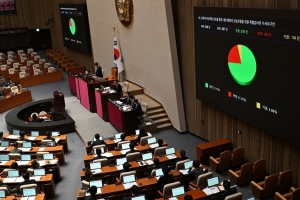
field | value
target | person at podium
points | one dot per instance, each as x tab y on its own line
116	86
98	70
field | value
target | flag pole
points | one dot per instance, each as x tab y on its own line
114	31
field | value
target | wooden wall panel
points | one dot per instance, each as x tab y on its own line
216	124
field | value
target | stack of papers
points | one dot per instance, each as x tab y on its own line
31	138
129	185
120	167
41	149
13	136
25	149
149	162
19	179
153	145
173	198
172	156
28	198
107	154
96	171
124	151
118	140
3	148
221	188
184	171
210	191
22	162
3	162
57	139
37	178
9	180
42	162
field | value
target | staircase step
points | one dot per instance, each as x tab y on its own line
154	108
163	127
158	116
156	111
162	121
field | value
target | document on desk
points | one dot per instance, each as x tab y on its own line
152	146
149	162
19	179
221	188
57	140
41	149
96	171
13	136
124	151
25	149
52	161
22	162
98	192
172	156
184	171
31	138
3	162
119	167
107	154
9	180
173	198
129	185
211	190
117	140
36	178
3	148
42	162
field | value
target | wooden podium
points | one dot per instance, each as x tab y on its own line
59	101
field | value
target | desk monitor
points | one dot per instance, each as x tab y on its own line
118	136
35	133
188	164
101	138
4	157
147	156
129	178
121	161
96	165
16	132
141	197
177	191
251	198
97	183
27	144
25	157
39	172
159	172
27	192
95	150
48	156
55	133
12	173
137	132
50	144
2	194
170	151
151	140
125	146
212	181
4	143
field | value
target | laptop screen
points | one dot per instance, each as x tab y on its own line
27	144
4	157
4	143
170	151
188	164
12	173
48	156
96	165
121	161
125	145
147	156
97	183
151	140
118	135
39	172
25	157
177	191
16	132
142	197
129	178
159	172
2	194
55	133
251	198
35	133
95	150
27	192
212	181
137	132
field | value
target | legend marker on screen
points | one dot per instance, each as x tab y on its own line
258	105
229	94
206	85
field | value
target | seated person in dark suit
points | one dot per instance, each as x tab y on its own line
2	94
15	149
93	192
126	167
97	141
132	150
156	165
3	185
165	179
88	175
99	70
49	137
228	191
188	197
99	156
129	100
142	134
36	119
182	156
160	142
195	170
116	86
28	181
138	108
22	136
123	136
134	192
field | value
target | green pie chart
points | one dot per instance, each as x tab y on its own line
72	26
242	64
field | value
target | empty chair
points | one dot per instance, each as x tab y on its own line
23	59
46	65
99	146
236	196
167	191
114	74
160	151
222	163
3	67
237	159
43	113
29	62
85	184
16	65
119	146
7	193
180	164
265	188
201	181
143	140
41	61
22	74
125	87
36	66
37	72
125	174
36	57
22	187
11	71
294	194
30	171
243	176
40	154
23	69
14	89
33	53
284	181
133	156
51	69
259	169
14	156
103	161
34	113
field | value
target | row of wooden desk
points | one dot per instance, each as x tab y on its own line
13	101
37	197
